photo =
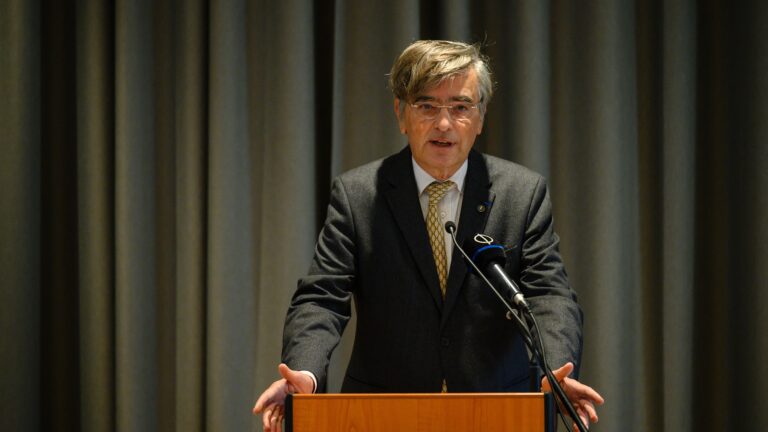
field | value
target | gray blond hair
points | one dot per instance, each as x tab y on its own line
427	63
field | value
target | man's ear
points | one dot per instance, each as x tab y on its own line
400	119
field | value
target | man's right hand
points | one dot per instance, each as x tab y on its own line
271	403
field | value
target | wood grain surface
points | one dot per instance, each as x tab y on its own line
519	412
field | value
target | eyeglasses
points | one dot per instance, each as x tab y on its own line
457	110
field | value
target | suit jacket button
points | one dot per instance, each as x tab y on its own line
444	342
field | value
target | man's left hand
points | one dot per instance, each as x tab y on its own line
583	397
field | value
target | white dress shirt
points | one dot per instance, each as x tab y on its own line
449	207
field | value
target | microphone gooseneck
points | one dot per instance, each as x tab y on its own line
450	226
492	255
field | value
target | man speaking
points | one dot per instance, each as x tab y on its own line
424	324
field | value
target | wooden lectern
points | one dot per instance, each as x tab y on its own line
432	412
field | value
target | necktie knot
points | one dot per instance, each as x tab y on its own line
437	191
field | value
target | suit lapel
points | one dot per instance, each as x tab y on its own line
475	208
403	200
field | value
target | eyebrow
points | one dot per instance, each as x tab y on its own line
459	98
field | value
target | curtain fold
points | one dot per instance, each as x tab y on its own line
230	297
675	154
165	169
190	120
136	172
96	222
20	215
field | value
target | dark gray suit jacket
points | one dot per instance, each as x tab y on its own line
374	249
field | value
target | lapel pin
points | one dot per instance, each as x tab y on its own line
484	206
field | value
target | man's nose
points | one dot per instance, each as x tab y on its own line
443	120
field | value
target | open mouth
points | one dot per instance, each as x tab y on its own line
441	143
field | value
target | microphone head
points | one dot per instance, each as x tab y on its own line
450	227
484	251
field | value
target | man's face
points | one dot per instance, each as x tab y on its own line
440	145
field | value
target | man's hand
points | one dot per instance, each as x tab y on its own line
272	402
583	397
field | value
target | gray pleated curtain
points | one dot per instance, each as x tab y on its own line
165	167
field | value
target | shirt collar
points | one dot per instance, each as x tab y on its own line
423	179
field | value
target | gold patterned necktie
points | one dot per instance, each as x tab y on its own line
437	191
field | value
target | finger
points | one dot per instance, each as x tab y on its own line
273	422
560	374
563	371
545	386
261	403
590	410
594	396
280	417
296	379
583	416
587	392
287	373
583	391
265	418
298	382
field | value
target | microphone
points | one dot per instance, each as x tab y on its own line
489	255
450	226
